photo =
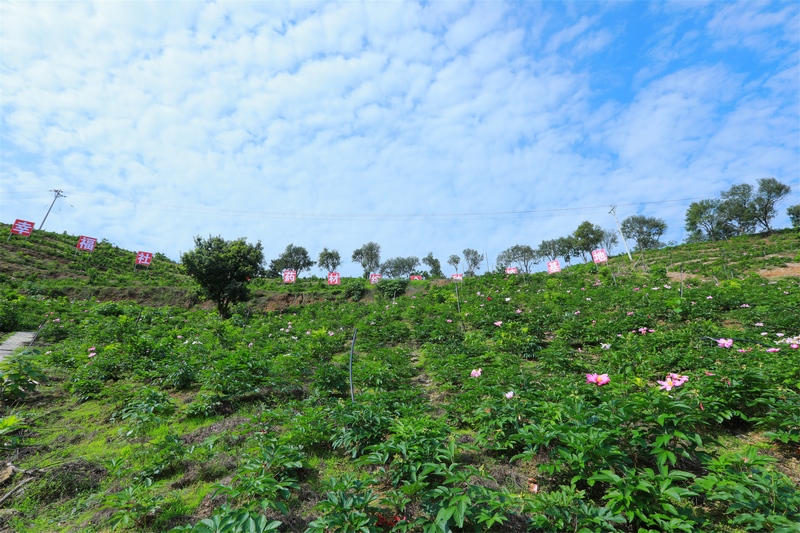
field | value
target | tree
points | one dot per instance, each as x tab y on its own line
770	192
293	258
737	208
794	215
587	237
706	221
399	267
610	239
521	254
223	268
548	249
644	230
369	256
565	247
454	261
329	260
434	265
473	260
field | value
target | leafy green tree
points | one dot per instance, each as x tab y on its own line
565	246
434	265
293	258
737	208
587	237
646	231
770	192
706	221
399	267
223	268
329	260
454	261
369	256
520	254
549	249
794	215
610	239
473	260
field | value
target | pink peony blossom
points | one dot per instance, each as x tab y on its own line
498	323
598	379
509	394
724	343
773	350
476	373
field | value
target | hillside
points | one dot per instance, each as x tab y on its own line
662	395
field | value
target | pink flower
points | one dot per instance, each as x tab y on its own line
181	336
605	346
476	373
57	320
708	298
92	349
773	350
636	288
764	333
577	312
724	343
643	331
518	311
510	394
598	379
250	345
709	373
630	313
758	324
92	354
449	320
779	334
667	384
498	323
794	346
744	305
678	379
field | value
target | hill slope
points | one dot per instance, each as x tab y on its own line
616	397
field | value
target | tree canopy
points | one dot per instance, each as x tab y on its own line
454	261
646	231
770	192
434	265
293	258
369	256
399	267
473	260
329	260
223	268
520	254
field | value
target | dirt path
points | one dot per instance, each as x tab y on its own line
19	339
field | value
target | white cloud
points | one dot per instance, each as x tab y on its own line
181	115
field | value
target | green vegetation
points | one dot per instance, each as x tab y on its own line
662	395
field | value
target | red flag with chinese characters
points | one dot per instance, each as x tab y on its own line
457	277
334	278
144	258
417	278
289	276
86	243
22	227
511	270
374	278
553	267
599	256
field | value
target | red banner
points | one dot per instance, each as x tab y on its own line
144	258
374	278
22	227
86	243
334	278
553	267
289	276
511	270
457	277
416	278
599	256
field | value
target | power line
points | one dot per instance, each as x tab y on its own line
486	215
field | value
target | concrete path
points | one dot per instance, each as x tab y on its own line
20	339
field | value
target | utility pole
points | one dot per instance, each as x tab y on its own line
58	195
619	228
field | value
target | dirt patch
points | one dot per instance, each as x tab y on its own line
790	270
199	435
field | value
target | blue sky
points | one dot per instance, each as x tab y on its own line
425	127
